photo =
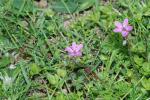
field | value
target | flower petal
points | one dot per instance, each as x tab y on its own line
129	28
69	49
78	54
71	54
118	24
74	50
79	47
124	33
117	30
125	22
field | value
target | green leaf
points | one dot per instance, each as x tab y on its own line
146	84
60	97
138	60
68	7
129	73
34	69
4	61
145	68
53	79
72	6
18	3
22	6
49	12
85	4
122	87
104	57
147	12
139	47
61	72
2	2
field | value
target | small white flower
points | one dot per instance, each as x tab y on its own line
7	54
13	53
12	66
7	80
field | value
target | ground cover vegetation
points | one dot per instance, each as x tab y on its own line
74	49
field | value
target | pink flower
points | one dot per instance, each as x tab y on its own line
74	50
123	28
